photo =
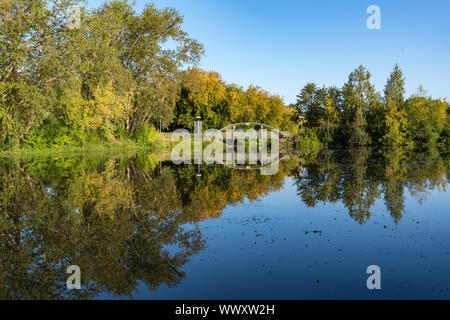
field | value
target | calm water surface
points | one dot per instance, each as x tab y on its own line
144	229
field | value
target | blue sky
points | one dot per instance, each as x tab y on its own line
281	45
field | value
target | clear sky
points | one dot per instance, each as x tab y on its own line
280	45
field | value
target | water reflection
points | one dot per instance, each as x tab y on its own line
359	177
127	219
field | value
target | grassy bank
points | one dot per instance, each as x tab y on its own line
161	144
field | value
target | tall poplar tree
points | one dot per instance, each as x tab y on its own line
359	98
395	116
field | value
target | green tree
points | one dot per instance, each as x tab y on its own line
203	94
34	63
310	103
359	98
329	123
427	119
394	113
59	85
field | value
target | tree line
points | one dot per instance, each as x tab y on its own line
121	75
358	115
118	76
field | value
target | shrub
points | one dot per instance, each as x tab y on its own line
309	141
145	135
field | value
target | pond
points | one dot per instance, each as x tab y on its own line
140	227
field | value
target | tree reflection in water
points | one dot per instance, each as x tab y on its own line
124	220
359	177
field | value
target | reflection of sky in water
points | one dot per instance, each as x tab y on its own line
280	249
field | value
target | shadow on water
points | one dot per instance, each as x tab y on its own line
128	220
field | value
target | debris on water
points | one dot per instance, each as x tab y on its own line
314	231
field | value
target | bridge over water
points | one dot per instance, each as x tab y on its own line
255	124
